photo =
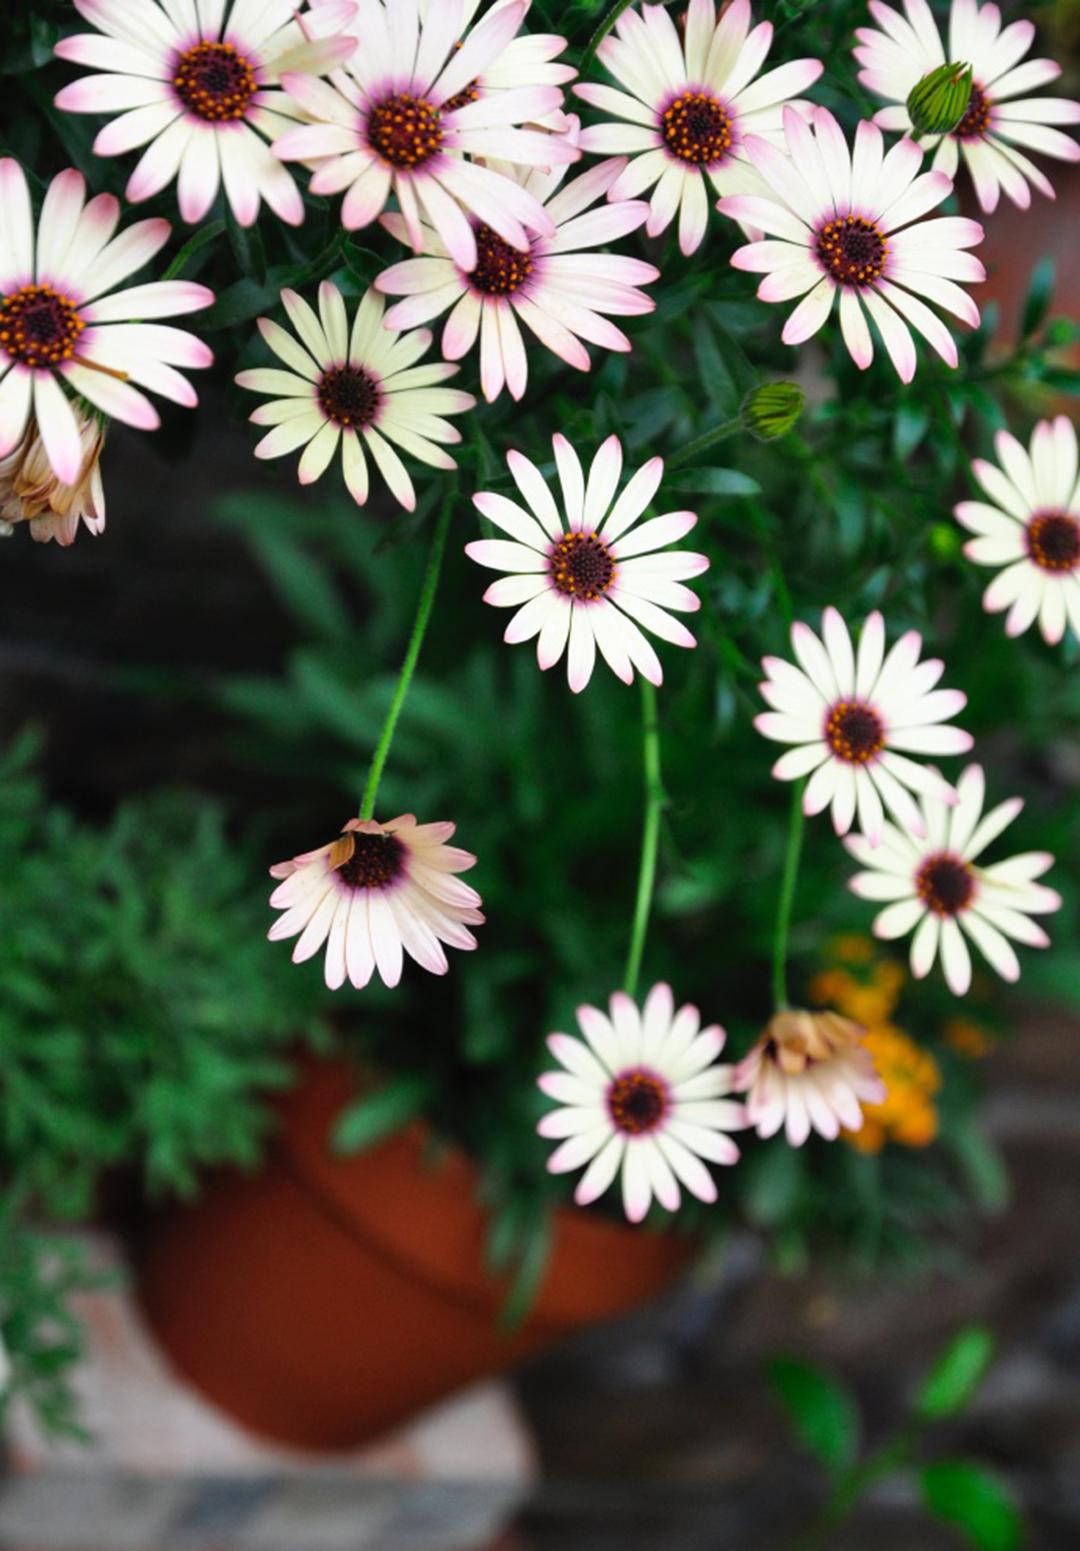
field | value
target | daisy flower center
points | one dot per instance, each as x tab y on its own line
945	884
582	567
852	250
376	861
697	128
39	326
854	731
637	1101
462	98
1053	541
976	119
500	269
404	130
349	397
214	81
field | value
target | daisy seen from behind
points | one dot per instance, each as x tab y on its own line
584	573
64	325
849	227
686	105
200	89
809	1071
375	894
932	886
1002	122
1031	528
854	716
400	120
356	387
30	491
642	1095
557	287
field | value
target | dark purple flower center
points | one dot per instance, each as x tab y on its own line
852	250
976	120
500	269
39	326
349	397
214	81
854	732
697	128
637	1101
404	130
1053	540
945	884
376	861
582	566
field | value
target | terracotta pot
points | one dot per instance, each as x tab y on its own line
324	1300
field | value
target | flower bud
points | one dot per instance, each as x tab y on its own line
30	491
772	410
938	102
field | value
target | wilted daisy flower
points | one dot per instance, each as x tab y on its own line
375	893
1000	124
30	491
58	324
643	1093
809	1071
403	117
583	575
851	225
1032	529
556	287
198	88
934	888
854	720
358	388
689	103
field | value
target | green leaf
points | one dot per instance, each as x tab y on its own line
956	1374
969	1497
200	239
772	1180
247	247
713	482
1039	296
375	1115
303	585
824	1413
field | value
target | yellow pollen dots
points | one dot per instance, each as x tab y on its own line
500	269
945	884
854	732
404	130
1053	540
39	326
349	397
852	250
637	1102
697	128
214	81
582	567
976	120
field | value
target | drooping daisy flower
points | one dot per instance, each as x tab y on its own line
851	225
30	491
934	888
1000	124
643	1093
199	89
809	1071
1032	529
855	718
57	324
557	288
375	893
358	388
585	575
401	119
687	107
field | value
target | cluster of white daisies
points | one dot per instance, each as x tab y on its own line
444	121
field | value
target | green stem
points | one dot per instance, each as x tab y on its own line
655	801
412	654
796	824
600	34
199	240
709	439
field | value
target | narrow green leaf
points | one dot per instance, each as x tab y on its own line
975	1501
824	1413
713	482
247	247
1039	296
956	1374
199	240
376	1115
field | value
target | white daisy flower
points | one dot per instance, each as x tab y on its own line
375	893
1032	528
197	91
354	388
59	325
809	1071
643	1093
854	718
401	118
556	287
851	225
1000	124
30	491
688	105
586	575
934	889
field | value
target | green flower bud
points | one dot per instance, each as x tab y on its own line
938	102
772	410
